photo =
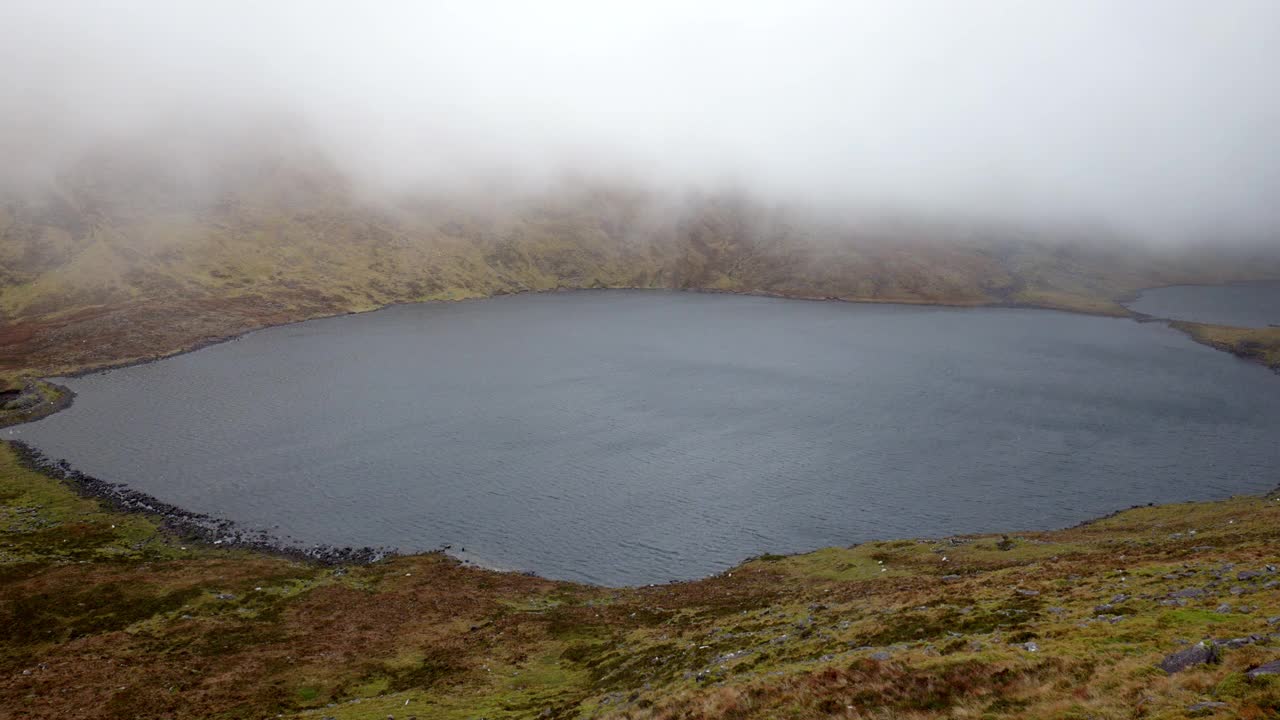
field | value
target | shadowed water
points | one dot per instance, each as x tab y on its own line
634	437
1244	305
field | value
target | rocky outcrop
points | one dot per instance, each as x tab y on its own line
1201	653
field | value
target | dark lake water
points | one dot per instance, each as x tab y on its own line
1244	305
633	437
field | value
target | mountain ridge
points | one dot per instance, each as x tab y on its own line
120	266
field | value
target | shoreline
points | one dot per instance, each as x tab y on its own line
67	396
218	340
216	532
219	533
189	526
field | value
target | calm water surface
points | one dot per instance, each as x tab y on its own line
1244	305
635	437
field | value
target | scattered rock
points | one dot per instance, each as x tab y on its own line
1239	642
186	523
1205	708
1188	593
1198	654
1271	668
1028	593
881	656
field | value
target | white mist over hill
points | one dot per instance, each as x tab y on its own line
1158	117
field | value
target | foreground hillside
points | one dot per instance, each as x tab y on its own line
109	616
125	258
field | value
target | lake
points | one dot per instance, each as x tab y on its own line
629	437
1243	305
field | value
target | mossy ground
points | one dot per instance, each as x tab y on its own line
107	616
25	400
1260	345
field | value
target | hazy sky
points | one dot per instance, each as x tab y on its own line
1159	115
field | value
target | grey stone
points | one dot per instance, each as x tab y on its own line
1205	708
1271	668
1239	642
1188	593
1198	654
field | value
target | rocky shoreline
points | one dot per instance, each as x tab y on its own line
190	526
35	400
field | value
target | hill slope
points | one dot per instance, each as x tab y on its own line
124	259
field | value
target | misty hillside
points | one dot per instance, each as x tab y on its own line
127	256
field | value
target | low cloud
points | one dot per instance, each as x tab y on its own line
1157	117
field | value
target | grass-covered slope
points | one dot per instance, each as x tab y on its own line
1260	345
123	260
107	616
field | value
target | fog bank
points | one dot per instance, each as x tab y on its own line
1158	117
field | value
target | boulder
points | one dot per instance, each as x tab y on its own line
1199	654
1271	668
